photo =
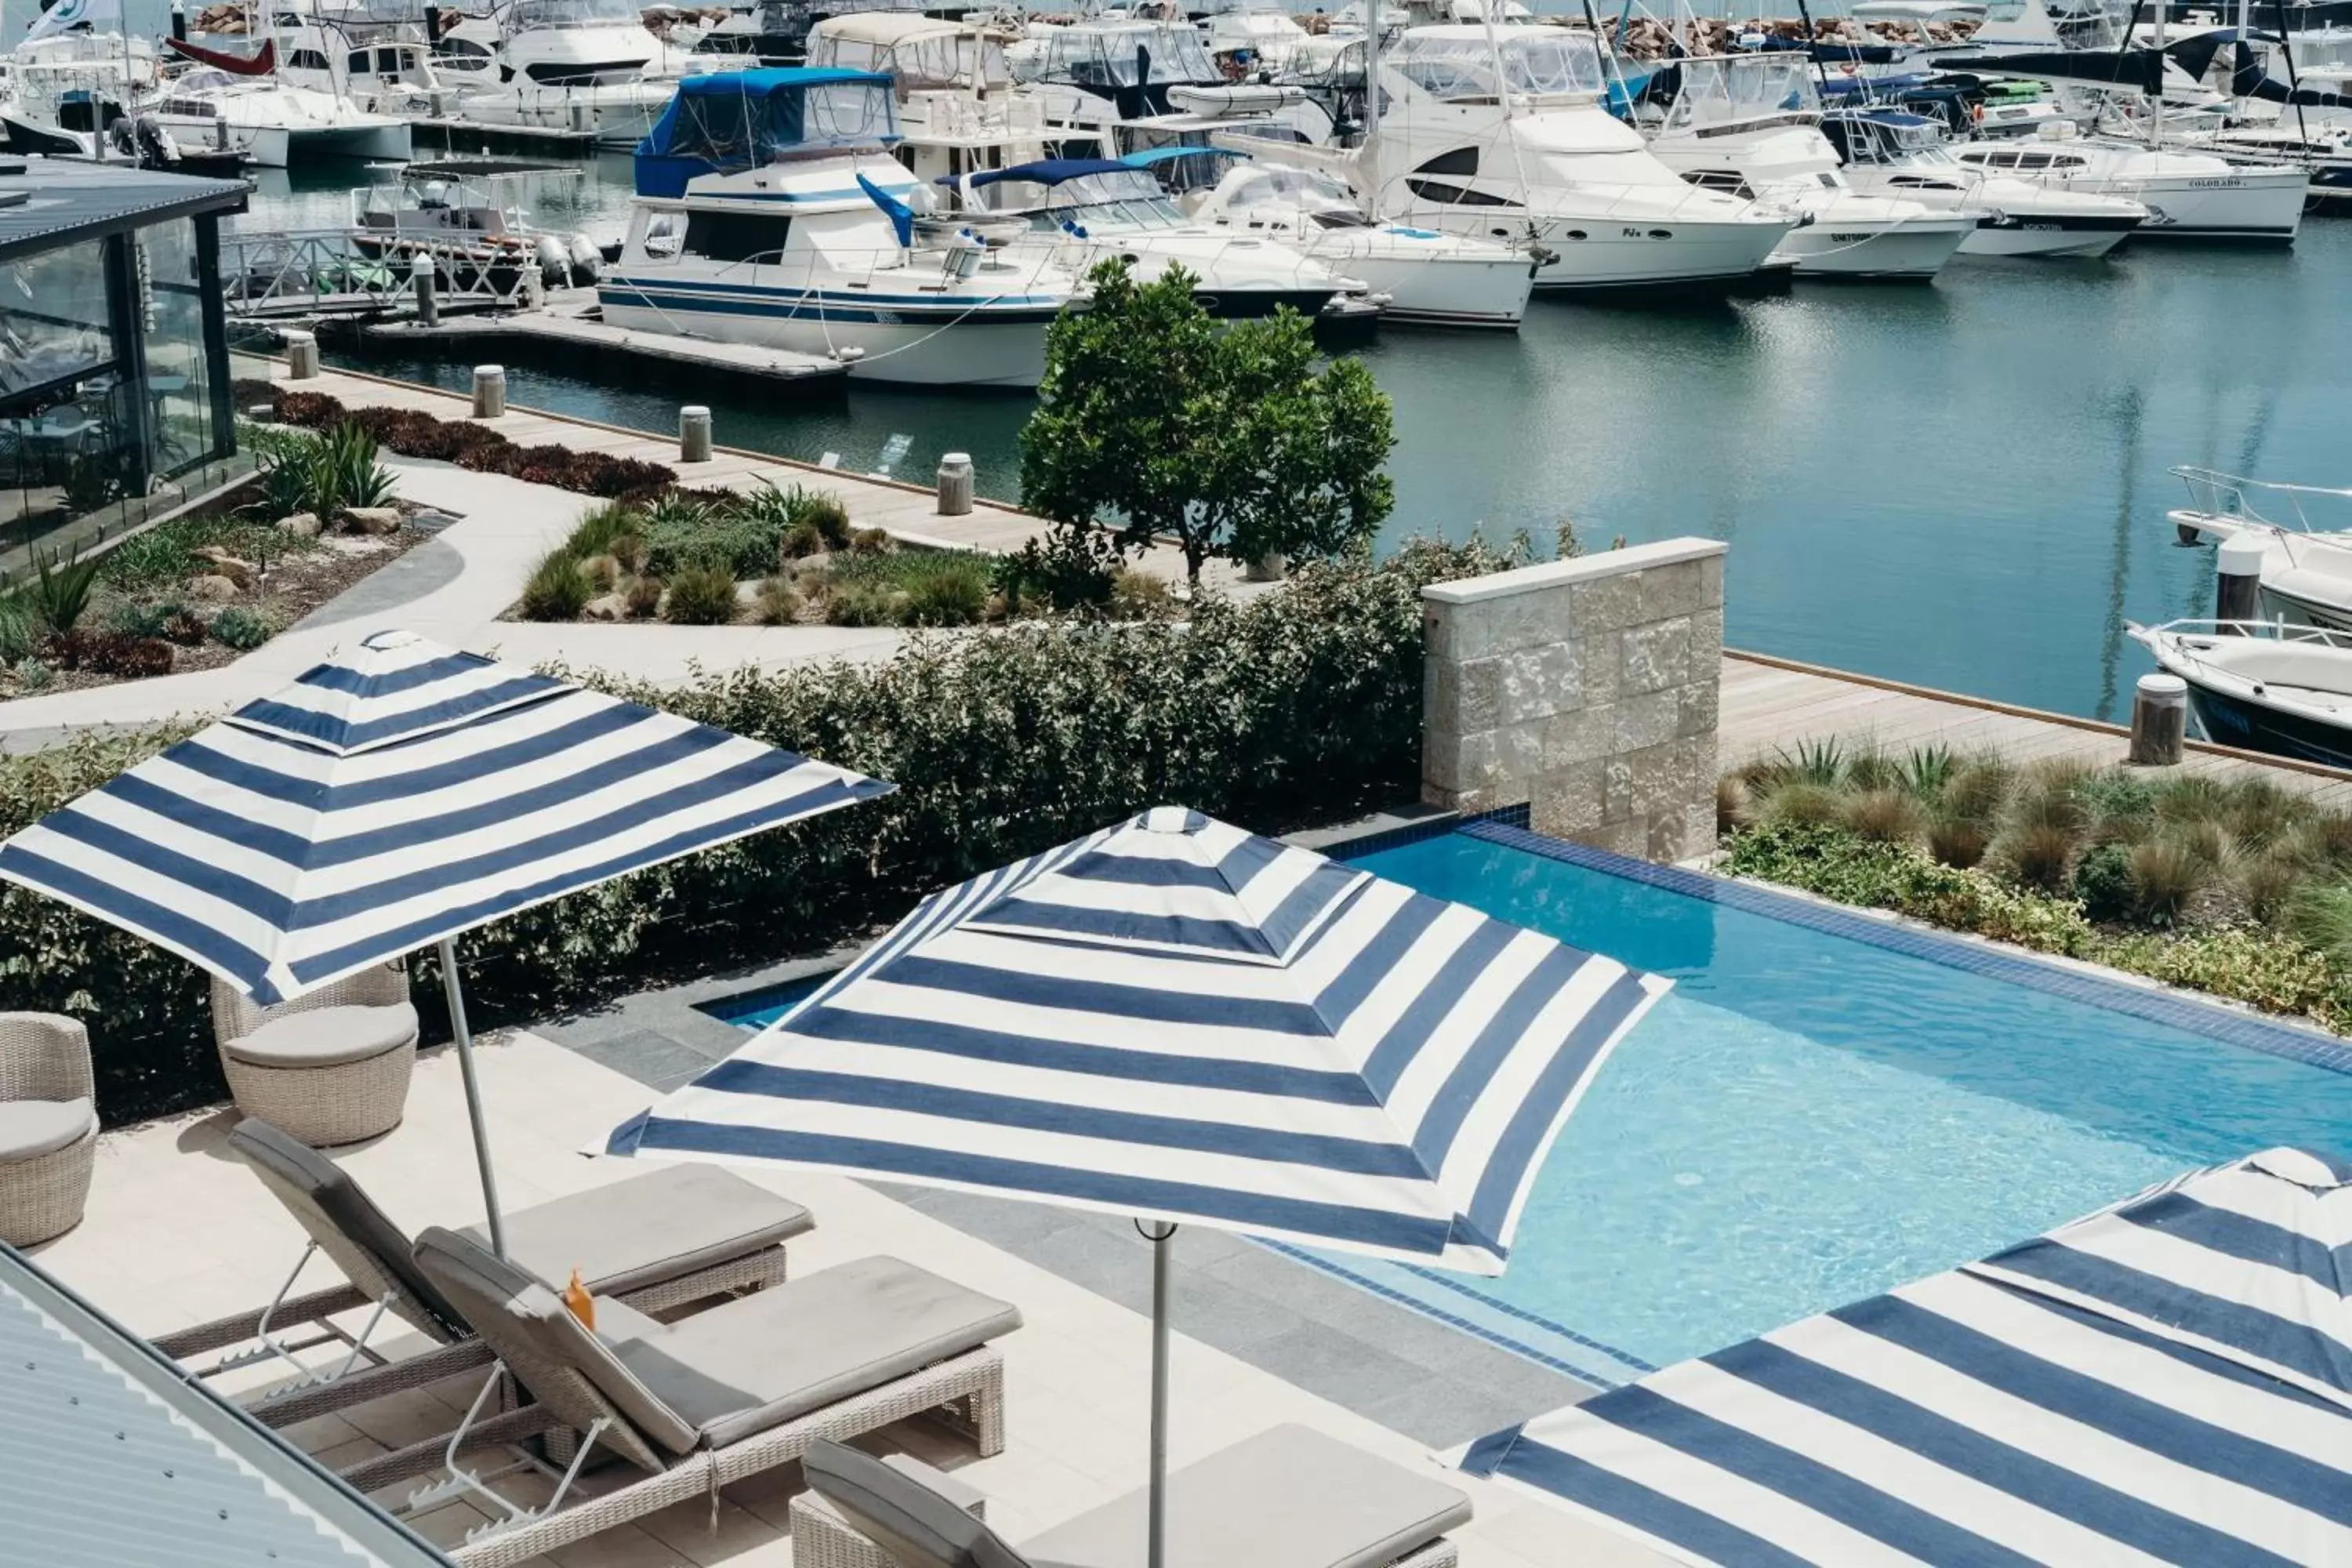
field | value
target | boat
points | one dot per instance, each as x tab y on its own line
1750	125
1251	38
466	213
1499	132
242	101
2305	531
1890	152
1099	209
2263	686
769	211
1094	74
1429	278
555	43
2188	195
959	111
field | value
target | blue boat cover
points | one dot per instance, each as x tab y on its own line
1044	172
734	120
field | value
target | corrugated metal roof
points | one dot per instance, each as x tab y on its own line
64	199
112	1457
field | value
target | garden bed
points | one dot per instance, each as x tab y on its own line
199	591
2234	887
774	556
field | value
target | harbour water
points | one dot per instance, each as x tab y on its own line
1961	485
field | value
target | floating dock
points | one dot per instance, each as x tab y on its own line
568	327
457	136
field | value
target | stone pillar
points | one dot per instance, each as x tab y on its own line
1586	688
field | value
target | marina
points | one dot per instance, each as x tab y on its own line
1439	787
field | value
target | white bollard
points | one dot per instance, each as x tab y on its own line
955	484
489	391
2238	588
694	434
2159	723
421	274
301	354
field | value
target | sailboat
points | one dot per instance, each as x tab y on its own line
232	99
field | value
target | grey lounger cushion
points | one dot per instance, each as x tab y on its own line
758	1362
667	1223
32	1128
1288	1497
742	1366
673	1220
893	1506
327	1036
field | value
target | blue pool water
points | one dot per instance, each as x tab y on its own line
1809	1119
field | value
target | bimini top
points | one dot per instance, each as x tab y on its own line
1046	171
737	119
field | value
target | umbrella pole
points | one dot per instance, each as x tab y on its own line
465	1037
1163	1265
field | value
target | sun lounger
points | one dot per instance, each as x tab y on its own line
674	1235
729	1393
1288	1497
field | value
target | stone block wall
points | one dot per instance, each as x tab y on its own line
1586	688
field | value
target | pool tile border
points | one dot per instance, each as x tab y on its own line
2156	1006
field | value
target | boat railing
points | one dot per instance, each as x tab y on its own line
2264	630
294	271
2264	503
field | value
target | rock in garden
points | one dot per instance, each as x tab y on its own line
370	519
605	608
305	523
212	586
240	572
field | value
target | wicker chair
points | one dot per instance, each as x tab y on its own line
332	1066
48	1125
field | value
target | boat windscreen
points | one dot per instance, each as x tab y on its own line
1450	64
1108	58
735	120
1725	91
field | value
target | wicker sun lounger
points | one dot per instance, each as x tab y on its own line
731	1392
672	1236
1288	1497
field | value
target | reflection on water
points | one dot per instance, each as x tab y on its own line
1961	485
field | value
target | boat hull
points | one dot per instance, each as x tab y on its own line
1907	250
1597	254
905	342
2065	236
2231	720
1448	293
2255	206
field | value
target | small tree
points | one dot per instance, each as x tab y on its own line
1231	442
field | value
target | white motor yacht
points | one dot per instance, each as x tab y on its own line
769	211
1095	74
1750	124
1254	35
1100	209
558	42
1498	133
1888	152
958	110
2305	531
2188	195
1429	277
2262	686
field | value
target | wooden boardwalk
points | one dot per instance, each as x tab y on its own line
1772	705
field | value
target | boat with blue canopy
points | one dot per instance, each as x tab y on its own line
769	211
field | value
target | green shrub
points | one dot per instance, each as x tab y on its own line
2321	916
348	473
1955	838
17	633
1138	595
642	596
628	552
778	603
2164	875
2102	882
32	674
61	588
556	591
1890	814
1734	807
1928	769
1800	802
139	620
864	604
946	591
2266	885
595	532
2037	853
823	513
701	595
240	628
802	538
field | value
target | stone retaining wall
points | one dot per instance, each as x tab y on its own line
1586	688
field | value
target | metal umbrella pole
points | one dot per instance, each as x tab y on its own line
1163	1265
465	1037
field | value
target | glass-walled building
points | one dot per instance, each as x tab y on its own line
114	376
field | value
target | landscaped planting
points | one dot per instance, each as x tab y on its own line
1297	707
2232	885
412	433
194	592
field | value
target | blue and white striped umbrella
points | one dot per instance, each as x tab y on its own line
1178	1020
2168	1380
398	794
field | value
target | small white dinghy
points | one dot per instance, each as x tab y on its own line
2265	686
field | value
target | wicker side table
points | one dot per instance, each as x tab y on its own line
823	1539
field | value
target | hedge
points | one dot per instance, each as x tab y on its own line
1297	707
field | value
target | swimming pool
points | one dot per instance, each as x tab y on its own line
1815	1115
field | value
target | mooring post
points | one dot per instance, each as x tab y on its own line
2159	720
301	354
2238	587
955	484
694	434
420	273
489	391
